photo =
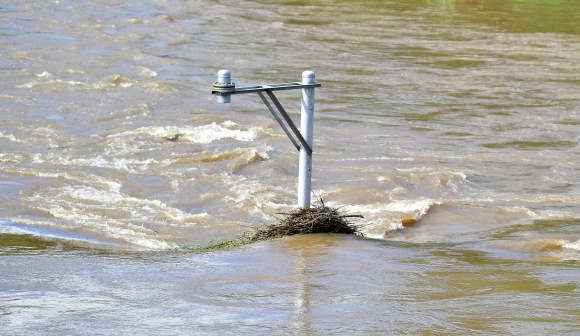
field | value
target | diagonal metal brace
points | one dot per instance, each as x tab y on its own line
296	144
287	119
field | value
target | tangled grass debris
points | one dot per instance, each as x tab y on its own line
314	219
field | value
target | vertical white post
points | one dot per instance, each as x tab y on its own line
224	77
306	129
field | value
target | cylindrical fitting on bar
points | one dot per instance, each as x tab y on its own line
308	77
224	84
224	76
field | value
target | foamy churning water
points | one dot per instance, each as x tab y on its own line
438	135
90	191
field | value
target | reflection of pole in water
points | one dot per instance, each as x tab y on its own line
309	250
302	309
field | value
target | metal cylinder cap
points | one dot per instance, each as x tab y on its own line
308	77
224	76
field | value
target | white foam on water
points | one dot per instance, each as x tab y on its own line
517	210
386	178
115	81
444	173
380	219
32	84
28	85
381	158
10	157
10	137
417	169
535	215
439	178
571	245
110	214
199	134
123	164
112	230
133	236
120	164
44	74
241	188
433	183
560	249
237	158
419	207
146	207
255	197
174	185
547	198
554	214
85	178
212	132
148	72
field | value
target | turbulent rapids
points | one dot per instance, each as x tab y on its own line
451	126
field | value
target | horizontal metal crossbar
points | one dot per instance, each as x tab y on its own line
262	88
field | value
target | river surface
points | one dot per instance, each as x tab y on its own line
451	126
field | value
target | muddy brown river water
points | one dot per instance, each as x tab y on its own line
451	126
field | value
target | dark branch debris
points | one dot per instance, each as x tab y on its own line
313	219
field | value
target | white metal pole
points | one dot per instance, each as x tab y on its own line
224	77
306	129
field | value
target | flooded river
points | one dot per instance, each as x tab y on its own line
451	126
